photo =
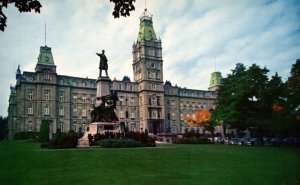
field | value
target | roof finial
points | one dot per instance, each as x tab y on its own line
145	5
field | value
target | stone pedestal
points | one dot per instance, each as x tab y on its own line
103	86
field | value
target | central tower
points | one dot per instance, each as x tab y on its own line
148	73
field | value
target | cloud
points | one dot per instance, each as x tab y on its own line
195	35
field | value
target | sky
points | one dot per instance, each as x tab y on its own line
198	37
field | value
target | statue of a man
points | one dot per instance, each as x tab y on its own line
103	63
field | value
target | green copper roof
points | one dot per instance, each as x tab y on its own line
45	56
146	31
215	79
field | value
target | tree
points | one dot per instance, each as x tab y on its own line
3	128
242	98
122	8
22	5
44	132
292	88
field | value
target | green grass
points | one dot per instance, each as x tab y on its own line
23	162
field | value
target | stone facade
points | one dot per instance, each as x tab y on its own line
144	103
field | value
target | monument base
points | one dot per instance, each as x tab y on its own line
98	127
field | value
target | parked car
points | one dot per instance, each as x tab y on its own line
288	141
275	141
233	141
242	141
267	141
253	141
219	140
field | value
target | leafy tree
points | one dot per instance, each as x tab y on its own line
241	98
22	5
3	128
121	8
44	132
292	88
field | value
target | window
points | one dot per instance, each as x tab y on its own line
121	114
61	127
47	95
47	76
75	98
30	110
132	101
61	111
75	111
154	114
152	65
83	112
61	97
153	87
29	126
132	115
46	110
133	128
84	99
74	127
30	94
153	100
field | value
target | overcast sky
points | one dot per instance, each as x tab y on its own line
195	36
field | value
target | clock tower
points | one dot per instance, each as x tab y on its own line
148	73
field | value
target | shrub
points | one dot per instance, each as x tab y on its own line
44	132
26	135
143	138
63	140
120	143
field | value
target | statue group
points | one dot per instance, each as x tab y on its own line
105	111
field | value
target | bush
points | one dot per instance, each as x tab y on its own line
120	143
26	135
192	140
63	140
143	138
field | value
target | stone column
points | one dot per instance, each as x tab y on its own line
103	86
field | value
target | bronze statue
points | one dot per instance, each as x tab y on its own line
103	63
105	112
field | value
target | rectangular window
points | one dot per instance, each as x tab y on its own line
84	99
30	110
61	97
47	76
46	110
83	112
121	114
30	94
132	101
154	114
153	100
61	110
29	126
132	115
74	127
75	98
61	127
75	111
47	95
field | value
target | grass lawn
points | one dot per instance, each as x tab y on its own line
23	162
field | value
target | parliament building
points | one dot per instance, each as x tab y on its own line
145	102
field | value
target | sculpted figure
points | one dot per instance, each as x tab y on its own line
103	63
